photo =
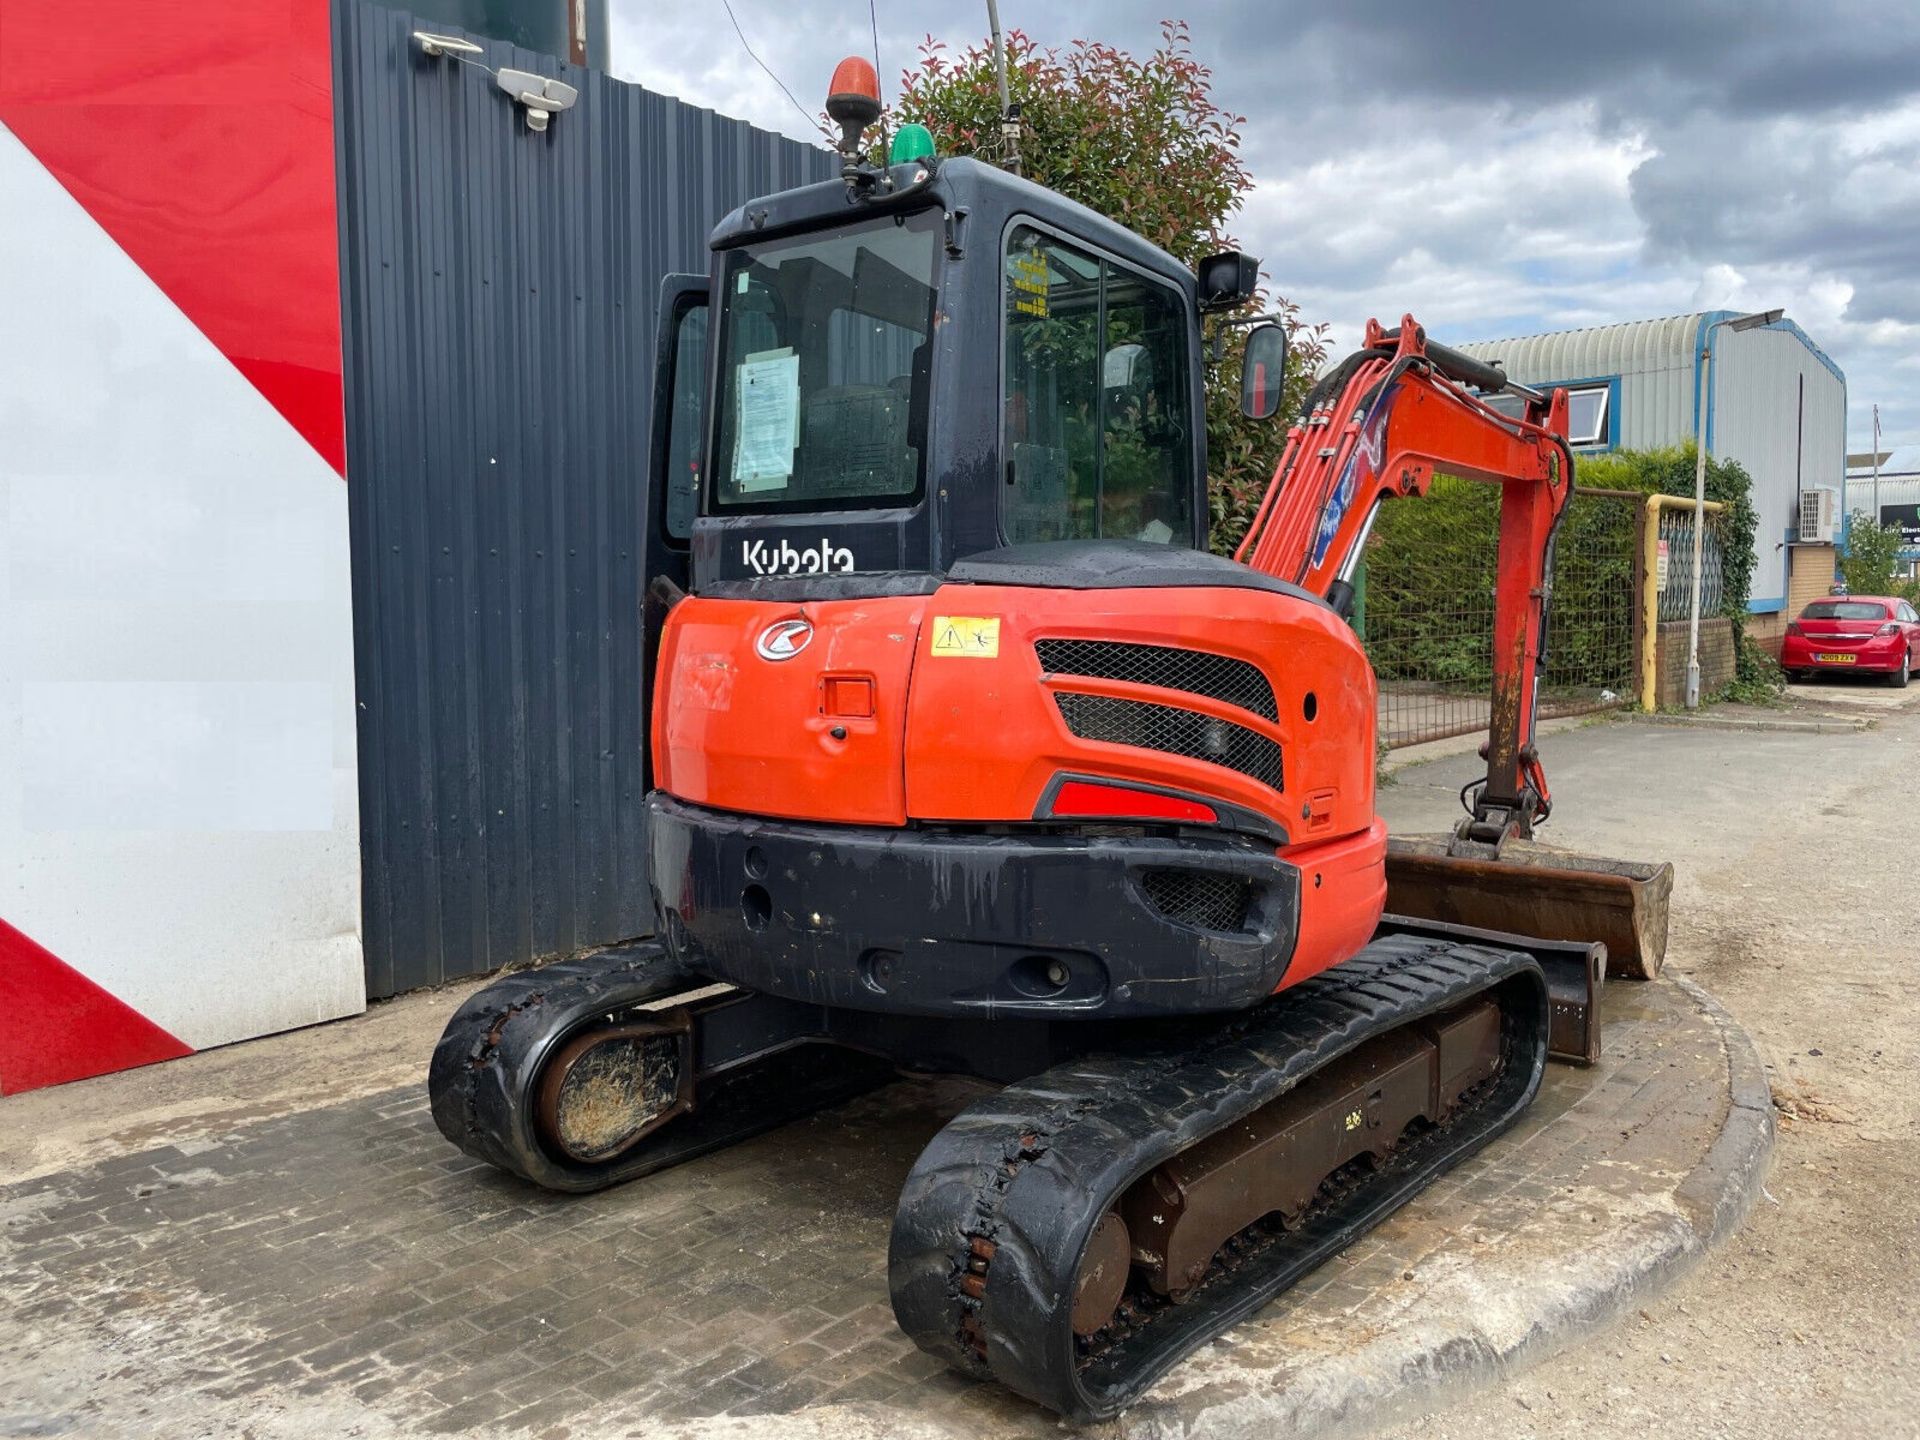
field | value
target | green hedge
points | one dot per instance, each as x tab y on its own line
1430	572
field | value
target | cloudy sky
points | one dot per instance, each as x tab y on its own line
1496	168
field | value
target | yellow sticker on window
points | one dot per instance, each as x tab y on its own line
969	635
1029	274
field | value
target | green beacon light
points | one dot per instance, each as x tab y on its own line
911	143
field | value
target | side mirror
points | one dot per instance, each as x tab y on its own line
1264	371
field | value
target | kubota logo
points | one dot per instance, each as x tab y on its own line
783	639
825	558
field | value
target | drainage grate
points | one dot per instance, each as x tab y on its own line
1200	898
1198	672
1172	731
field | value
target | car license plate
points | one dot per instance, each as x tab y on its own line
1831	659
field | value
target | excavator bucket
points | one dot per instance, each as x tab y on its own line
1535	890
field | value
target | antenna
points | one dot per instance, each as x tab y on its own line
1009	114
873	19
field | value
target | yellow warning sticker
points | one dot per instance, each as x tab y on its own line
966	635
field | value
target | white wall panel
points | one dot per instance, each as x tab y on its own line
177	788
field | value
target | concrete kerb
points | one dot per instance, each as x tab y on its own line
1724	1185
1707	720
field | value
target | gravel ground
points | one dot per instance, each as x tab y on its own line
1798	905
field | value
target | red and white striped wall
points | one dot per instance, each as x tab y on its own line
179	842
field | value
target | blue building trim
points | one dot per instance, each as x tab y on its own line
1843	466
1807	340
1771	606
1699	347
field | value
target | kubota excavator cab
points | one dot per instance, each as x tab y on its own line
960	718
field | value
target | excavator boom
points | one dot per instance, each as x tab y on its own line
1378	427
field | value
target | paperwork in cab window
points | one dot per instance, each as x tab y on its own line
769	389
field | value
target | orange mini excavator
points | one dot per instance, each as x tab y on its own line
970	758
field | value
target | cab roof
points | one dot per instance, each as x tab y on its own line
985	193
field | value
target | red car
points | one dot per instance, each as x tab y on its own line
1853	632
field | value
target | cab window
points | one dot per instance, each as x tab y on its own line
683	435
825	347
1096	416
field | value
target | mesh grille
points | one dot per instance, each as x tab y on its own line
1172	731
1198	897
1219	677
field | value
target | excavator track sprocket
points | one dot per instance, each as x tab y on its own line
589	1072
1014	1220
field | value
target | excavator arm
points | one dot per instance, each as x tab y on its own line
1378	427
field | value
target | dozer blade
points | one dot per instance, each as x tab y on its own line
1534	890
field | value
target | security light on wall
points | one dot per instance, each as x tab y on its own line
437	45
541	96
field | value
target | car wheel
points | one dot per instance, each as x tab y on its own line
1899	677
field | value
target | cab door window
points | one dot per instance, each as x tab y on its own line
1096	420
689	415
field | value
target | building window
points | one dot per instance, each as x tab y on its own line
1587	415
1589	411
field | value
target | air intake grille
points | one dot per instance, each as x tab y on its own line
1198	897
1172	731
1219	677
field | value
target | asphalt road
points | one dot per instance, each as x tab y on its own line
1797	903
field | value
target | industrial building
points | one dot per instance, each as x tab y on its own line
1774	401
1889	483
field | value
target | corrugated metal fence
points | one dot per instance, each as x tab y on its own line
498	292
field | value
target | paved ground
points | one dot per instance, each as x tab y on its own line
342	1256
271	1240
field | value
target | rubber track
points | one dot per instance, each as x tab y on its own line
484	1070
1030	1169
